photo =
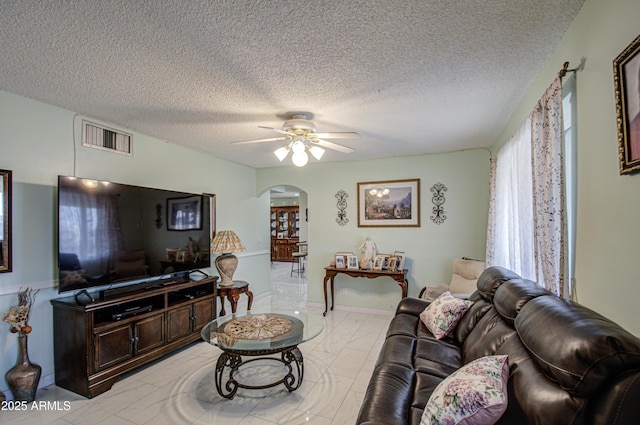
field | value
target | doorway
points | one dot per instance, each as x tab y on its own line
288	221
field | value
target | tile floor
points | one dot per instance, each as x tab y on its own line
180	388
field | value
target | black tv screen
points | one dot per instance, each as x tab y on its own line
111	233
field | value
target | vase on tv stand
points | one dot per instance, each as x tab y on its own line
23	378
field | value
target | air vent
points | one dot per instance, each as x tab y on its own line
100	137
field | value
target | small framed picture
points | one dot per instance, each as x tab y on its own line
399	260
171	253
352	262
340	262
379	262
393	264
181	256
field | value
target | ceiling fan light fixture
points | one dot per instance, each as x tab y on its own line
299	123
317	152
298	146
300	159
282	153
299	134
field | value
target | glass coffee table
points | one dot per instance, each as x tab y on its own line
260	335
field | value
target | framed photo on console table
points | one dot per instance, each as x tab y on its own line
626	76
400	255
352	262
184	213
394	203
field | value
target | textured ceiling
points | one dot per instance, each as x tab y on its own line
411	77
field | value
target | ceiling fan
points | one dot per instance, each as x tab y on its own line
300	133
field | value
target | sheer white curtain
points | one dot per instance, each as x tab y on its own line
527	219
509	238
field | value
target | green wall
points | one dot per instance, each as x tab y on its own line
429	248
607	268
40	142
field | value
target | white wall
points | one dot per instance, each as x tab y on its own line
607	266
429	248
38	144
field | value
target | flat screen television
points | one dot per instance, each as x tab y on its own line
114	235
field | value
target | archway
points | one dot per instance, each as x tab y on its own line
288	219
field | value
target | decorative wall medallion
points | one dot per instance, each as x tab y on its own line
342	196
158	216
438	190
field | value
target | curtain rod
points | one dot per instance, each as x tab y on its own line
565	69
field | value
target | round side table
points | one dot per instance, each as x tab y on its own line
233	295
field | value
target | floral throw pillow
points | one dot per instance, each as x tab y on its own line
475	394
442	315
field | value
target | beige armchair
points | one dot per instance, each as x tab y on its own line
463	281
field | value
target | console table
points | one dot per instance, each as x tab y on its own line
331	272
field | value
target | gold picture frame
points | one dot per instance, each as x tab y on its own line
6	186
626	77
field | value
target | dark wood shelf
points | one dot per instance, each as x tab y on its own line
285	230
93	346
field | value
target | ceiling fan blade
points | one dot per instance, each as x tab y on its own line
338	135
334	146
274	129
273	139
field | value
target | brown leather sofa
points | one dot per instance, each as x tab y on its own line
567	364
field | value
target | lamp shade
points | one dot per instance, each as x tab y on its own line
282	152
317	152
226	242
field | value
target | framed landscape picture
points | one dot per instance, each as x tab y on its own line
394	203
626	76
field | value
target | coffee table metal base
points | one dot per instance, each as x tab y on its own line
228	359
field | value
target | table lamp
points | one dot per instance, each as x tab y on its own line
226	242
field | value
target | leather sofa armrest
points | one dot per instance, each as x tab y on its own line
410	305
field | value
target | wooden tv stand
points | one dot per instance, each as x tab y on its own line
96	343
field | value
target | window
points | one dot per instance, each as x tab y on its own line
571	172
533	195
